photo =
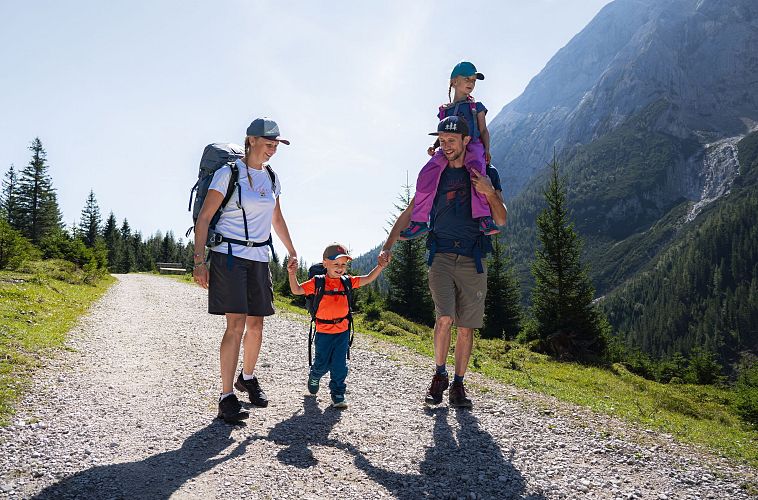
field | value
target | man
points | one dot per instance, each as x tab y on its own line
457	249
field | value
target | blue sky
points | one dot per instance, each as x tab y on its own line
125	95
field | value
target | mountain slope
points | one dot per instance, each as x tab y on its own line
701	56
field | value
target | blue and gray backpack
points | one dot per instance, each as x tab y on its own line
214	157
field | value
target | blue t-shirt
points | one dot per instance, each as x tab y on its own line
463	108
451	213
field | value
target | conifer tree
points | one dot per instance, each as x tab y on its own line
408	292
38	204
112	238
568	325
9	204
89	225
126	262
502	307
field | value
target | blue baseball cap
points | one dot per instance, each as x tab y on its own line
452	125
264	127
465	68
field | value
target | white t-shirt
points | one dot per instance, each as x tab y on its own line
258	201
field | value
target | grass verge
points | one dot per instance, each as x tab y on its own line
38	305
694	414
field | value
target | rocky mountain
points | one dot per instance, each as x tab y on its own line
700	57
647	110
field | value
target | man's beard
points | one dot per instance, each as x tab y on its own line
454	156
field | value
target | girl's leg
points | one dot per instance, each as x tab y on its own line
426	187
252	342
475	161
230	349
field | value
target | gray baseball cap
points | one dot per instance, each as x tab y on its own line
264	127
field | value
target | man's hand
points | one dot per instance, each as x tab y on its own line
482	183
431	150
384	258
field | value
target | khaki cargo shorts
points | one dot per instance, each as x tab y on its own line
457	289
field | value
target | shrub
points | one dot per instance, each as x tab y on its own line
14	248
746	394
703	368
372	312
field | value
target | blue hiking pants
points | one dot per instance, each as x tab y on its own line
331	356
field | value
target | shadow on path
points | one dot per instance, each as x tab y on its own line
158	476
301	430
453	467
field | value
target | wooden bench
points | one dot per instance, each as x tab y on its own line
170	267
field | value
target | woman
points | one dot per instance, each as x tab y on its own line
239	280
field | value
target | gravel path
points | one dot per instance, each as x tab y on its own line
128	413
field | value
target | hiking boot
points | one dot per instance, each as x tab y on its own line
457	396
487	226
313	385
231	410
436	388
415	230
339	401
253	389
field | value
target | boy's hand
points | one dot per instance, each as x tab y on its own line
292	265
431	150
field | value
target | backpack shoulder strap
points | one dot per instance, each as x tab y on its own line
232	183
347	285
272	177
318	294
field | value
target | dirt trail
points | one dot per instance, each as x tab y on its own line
128	413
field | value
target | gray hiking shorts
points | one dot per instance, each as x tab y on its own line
457	289
244	289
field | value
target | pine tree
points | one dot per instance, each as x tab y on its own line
89	225
502	307
408	292
126	262
9	204
38	204
568	325
112	238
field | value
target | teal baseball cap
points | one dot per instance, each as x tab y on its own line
265	127
465	68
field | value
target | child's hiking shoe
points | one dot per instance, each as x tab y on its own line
487	226
231	410
436	388
313	385
415	230
253	390
457	396
339	401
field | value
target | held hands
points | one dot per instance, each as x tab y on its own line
384	258
292	264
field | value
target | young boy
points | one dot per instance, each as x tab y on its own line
332	334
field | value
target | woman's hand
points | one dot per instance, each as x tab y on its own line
431	150
200	274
